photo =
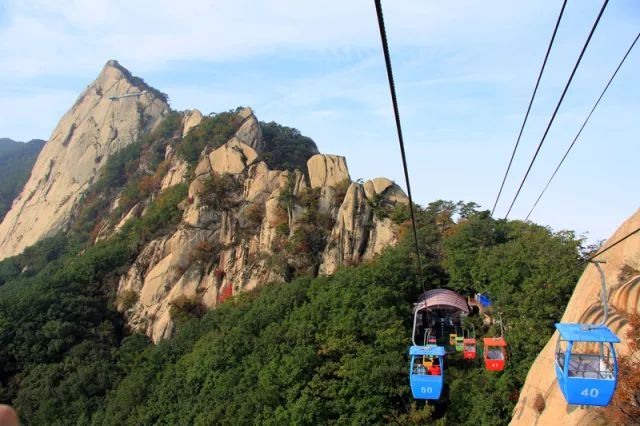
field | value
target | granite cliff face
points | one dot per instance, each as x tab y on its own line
244	221
101	122
585	307
257	229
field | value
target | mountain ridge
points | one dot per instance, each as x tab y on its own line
85	137
16	161
262	204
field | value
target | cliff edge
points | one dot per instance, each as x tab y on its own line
112	112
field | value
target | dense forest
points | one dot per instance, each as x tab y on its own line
318	350
16	161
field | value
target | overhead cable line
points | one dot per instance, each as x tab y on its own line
635	231
526	116
555	112
583	125
396	112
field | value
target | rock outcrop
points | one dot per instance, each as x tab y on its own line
359	233
191	119
178	169
243	224
250	131
327	170
241	236
585	307
102	121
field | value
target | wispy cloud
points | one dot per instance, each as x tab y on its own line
464	72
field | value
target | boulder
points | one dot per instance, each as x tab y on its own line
250	131
327	170
191	119
358	234
233	157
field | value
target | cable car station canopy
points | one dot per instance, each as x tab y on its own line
442	299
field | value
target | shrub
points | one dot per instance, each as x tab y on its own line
325	221
282	229
285	148
254	213
376	204
626	273
205	252
624	409
538	403
212	132
341	189
400	213
309	197
127	299
279	217
287	198
220	191
161	216
187	305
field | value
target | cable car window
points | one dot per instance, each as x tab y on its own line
590	360
561	349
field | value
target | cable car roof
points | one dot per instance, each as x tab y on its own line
494	341
578	332
429	350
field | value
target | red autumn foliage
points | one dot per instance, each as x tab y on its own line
225	292
625	406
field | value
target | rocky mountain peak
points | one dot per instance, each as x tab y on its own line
112	112
260	203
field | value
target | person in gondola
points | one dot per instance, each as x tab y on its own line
495	353
419	368
435	370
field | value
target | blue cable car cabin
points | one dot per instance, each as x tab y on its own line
427	371
586	365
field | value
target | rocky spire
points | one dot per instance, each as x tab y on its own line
111	113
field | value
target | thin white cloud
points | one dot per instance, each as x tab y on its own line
464	72
68	37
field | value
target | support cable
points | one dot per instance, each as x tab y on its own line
526	116
583	126
600	252
555	112
396	112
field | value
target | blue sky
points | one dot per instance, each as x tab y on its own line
464	73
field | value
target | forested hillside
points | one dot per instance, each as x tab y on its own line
16	161
172	217
312	351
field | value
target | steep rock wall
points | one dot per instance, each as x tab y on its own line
99	123
585	306
233	241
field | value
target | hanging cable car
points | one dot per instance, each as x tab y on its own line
586	364
495	351
427	371
452	339
460	341
469	345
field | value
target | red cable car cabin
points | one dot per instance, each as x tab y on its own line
495	353
469	346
